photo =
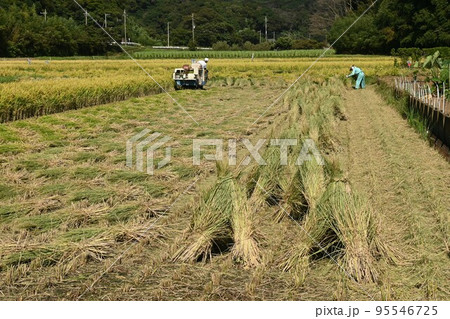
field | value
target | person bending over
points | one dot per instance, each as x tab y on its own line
360	77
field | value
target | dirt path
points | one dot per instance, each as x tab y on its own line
408	183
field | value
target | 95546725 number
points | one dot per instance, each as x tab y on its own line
406	310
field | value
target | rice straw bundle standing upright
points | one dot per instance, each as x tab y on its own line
308	188
223	216
353	223
313	232
304	190
210	221
267	180
245	249
313	182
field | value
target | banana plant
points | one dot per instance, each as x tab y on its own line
440	70
433	61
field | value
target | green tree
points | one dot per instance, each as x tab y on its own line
283	43
248	35
221	46
192	45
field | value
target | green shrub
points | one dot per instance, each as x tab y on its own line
221	46
306	44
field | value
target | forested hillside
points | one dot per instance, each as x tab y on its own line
393	24
24	31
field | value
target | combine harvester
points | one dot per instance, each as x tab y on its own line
192	76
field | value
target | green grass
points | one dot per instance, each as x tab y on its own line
10	212
185	172
93	190
8	135
8	79
7	191
94	196
46	132
55	189
122	213
89	157
77	235
86	173
11	149
52	173
128	176
40	223
401	104
27	256
155	190
172	54
32	164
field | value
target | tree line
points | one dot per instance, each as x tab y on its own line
25	33
393	24
221	24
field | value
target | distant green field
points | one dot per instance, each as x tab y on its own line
180	54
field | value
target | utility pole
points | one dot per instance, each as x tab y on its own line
106	20
193	28
265	22
44	13
168	34
125	24
85	17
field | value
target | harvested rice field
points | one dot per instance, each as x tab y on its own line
361	214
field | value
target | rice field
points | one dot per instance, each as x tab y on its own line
170	54
45	88
70	207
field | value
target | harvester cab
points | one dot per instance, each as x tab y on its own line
192	76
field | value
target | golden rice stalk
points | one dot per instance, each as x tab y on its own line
304	190
351	218
267	186
210	221
246	247
152	232
313	233
294	203
312	182
77	254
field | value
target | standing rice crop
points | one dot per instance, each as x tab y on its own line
40	88
184	54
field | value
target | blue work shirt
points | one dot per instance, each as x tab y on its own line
356	71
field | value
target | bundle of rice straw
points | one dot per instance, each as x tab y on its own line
222	216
